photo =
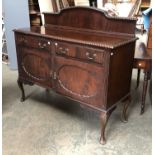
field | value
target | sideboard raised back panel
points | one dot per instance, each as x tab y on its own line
90	19
84	56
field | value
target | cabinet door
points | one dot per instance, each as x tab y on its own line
35	65
34	60
81	81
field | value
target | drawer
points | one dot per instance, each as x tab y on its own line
142	64
139	64
80	52
33	41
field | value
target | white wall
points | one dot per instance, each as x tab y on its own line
16	15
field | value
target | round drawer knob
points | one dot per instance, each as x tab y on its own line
139	64
94	55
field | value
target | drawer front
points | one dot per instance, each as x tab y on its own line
33	41
80	52
140	64
143	64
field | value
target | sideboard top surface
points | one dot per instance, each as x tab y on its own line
88	38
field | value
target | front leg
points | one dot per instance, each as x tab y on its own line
145	83
20	84
104	116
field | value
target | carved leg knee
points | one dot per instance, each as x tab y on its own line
125	108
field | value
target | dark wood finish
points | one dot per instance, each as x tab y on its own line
138	77
88	89
34	55
87	58
126	101
20	84
104	116
91	19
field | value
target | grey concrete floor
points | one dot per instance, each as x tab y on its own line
49	124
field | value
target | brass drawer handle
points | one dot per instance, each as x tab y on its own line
42	45
90	56
23	40
63	51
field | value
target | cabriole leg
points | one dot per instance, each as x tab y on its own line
20	84
104	116
127	102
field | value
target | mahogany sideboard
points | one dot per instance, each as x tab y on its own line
81	53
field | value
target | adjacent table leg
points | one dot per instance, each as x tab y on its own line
145	83
138	77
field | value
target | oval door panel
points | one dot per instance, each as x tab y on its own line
36	67
77	81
